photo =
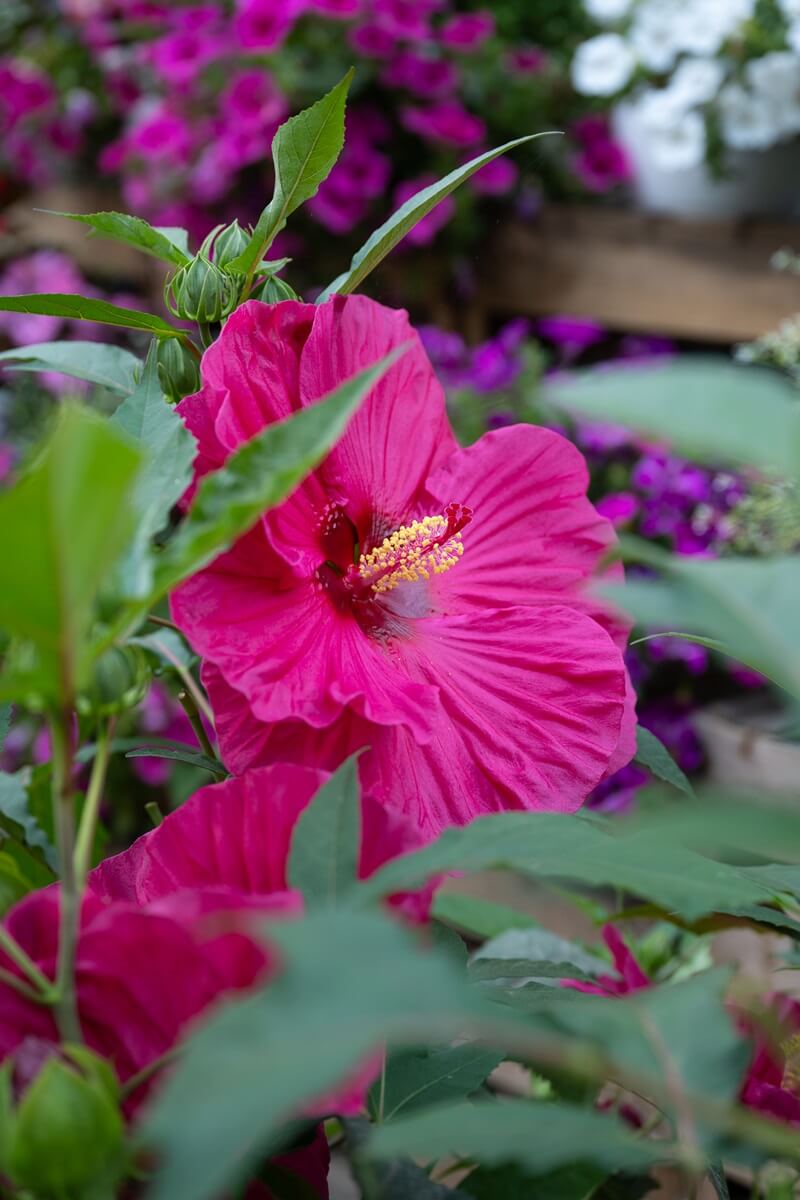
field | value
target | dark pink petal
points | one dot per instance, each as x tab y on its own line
401	432
633	977
289	651
531	705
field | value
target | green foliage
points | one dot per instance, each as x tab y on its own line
653	754
475	917
81	308
18	801
304	152
708	409
110	366
166	244
533	954
384	239
415	1079
64	524
323	861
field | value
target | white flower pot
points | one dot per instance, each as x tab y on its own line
763	183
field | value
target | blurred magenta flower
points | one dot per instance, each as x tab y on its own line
358	621
620	508
447	121
467	31
629	977
496	178
425	230
772	1086
419	73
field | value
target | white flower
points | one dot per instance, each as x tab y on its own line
652	36
793	36
703	26
675	138
606	11
748	121
696	81
790	9
775	78
603	65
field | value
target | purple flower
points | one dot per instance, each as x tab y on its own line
264	24
493	367
361	174
405	18
619	507
448	353
467	31
42	271
336	8
599	438
426	229
253	99
668	649
573	335
638	346
617	794
496	178
24	89
372	41
527	60
427	77
179	57
671	723
160	135
447	122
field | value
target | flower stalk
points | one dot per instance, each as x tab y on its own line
66	1004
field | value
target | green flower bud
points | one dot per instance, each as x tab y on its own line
201	292
229	244
119	680
273	290
178	369
63	1133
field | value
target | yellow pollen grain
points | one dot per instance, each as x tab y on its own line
411	553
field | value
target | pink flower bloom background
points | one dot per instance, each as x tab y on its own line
498	684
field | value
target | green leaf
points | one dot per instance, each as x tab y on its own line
13	883
304	151
654	755
531	954
5	723
110	366
177	235
419	1078
193	759
168	451
706	408
511	1183
326	842
168	646
64	524
260	475
133	231
559	846
348	982
81	308
749	605
716	1173
477	918
385	238
15	806
539	1136
399	1179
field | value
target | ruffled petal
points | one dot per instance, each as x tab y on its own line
289	651
534	535
400	433
531	706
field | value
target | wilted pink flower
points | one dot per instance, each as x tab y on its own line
425	230
427	77
496	178
480	683
447	122
467	31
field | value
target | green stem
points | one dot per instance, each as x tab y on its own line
189	705
91	807
141	1077
24	989
66	1004
190	346
28	967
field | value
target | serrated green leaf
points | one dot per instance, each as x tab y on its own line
97	362
477	918
709	409
326	841
415	1079
654	755
64	524
563	847
15	806
260	475
177	235
168	452
133	231
304	151
348	982
530	954
188	756
539	1136
81	308
392	232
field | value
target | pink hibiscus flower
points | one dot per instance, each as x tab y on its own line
237	836
410	596
629	978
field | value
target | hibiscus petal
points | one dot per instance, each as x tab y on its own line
531	705
290	652
401	431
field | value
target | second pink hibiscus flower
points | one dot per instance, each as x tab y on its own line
420	599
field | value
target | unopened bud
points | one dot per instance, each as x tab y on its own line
229	244
273	290
201	292
119	680
178	369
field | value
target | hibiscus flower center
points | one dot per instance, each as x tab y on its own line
428	546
